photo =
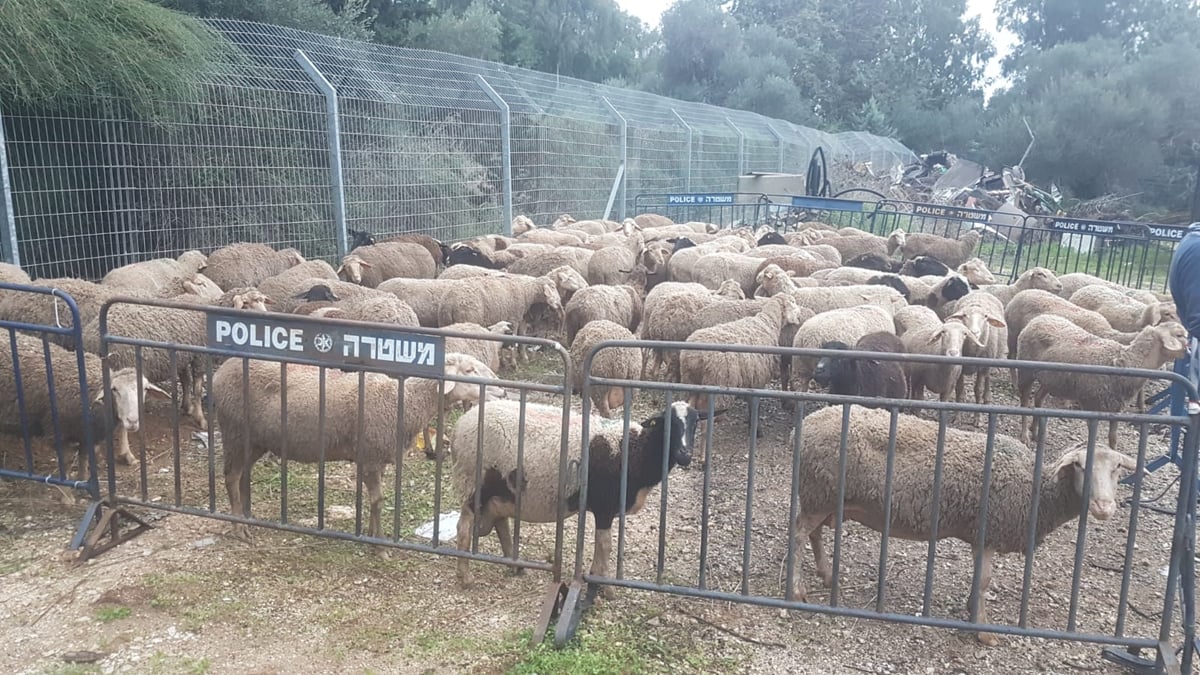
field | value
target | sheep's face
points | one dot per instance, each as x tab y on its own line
352	268
567	280
827	366
977	323
464	365
1040	278
202	286
193	260
976	272
562	221
318	293
124	391
894	241
1107	467
951	337
1173	338
1162	312
683	432
522	224
731	289
252	300
292	256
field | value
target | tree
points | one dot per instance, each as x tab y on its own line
474	32
352	20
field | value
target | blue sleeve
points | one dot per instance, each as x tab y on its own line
1185	282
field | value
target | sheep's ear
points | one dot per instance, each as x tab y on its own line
151	391
1070	460
1155	314
238	302
791	273
998	323
365	264
1172	343
339	269
98	395
937	335
960	316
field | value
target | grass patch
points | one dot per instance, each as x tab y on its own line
164	664
110	614
71	669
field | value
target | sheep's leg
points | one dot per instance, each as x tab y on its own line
504	534
197	382
466	522
600	401
985	581
600	556
1038	398
237	485
124	454
371	480
1112	434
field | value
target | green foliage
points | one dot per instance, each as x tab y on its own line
352	20
109	614
475	32
59	52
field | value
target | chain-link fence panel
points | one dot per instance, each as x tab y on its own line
300	137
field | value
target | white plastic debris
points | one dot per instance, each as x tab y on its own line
447	527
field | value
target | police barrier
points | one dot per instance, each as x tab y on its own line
915	493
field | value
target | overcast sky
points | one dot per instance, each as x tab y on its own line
650	11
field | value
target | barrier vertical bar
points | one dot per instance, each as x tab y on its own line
622	172
9	251
778	139
333	128
505	149
688	154
741	146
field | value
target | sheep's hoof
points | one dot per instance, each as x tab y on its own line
988	639
127	460
608	592
241	532
382	552
466	583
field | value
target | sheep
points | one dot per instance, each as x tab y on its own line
487	300
522	224
251	426
983	315
12	274
849	376
924	266
246	264
464	254
1123	312
950	252
651	220
63	417
620	304
1009	499
840	297
611	265
976	273
874	261
487	351
851	246
380	309
196	285
47	310
372	265
946	291
455	272
935	338
684	258
540	264
891	281
320	290
667	316
299	277
439	251
552	237
1056	339
736	369
150	275
614	363
1040	278
1071	283
536	483
911	316
846	325
1032	303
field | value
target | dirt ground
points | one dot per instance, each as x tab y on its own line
187	597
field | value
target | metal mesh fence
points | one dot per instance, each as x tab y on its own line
303	135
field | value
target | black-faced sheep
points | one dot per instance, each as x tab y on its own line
874	261
536	483
924	266
850	376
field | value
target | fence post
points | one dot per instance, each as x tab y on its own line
741	147
622	170
505	149
333	130
9	251
688	154
778	139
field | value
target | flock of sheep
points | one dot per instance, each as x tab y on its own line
586	282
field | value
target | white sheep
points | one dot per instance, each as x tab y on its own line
614	363
959	501
246	264
1124	312
845	325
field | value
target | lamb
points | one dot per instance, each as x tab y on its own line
894	282
715	268
487	300
737	369
464	254
372	265
299	277
983	315
151	275
487	351
1039	278
936	338
620	304
849	376
1123	312
611	265
246	264
950	252
846	325
1009	498
490	503
1056	339
1027	305
911	316
614	363
251	427
41	413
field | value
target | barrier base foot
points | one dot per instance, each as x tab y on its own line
553	600
111	521
1132	660
580	596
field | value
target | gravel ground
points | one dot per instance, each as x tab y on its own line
186	597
